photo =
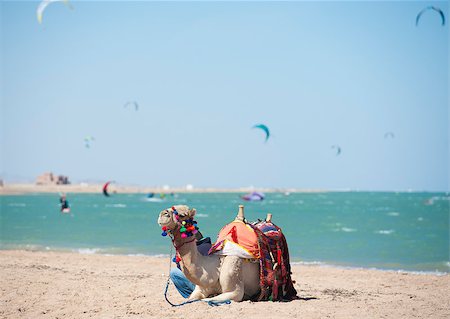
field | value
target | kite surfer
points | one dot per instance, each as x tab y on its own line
65	208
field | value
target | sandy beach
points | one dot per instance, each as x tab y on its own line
72	285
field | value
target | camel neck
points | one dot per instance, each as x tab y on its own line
177	247
186	247
189	260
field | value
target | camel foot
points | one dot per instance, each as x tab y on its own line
232	295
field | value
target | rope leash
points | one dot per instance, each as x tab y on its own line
172	304
168	282
210	303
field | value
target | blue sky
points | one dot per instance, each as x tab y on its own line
316	73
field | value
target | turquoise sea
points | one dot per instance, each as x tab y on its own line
400	231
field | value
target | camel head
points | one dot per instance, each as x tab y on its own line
172	218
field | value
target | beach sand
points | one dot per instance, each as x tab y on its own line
72	285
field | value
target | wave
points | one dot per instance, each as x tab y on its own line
343	228
87	251
117	205
385	232
308	263
17	205
400	271
394	214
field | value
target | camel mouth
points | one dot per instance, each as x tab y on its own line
165	218
164	221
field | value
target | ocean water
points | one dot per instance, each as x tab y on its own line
400	231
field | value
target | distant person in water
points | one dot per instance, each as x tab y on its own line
64	203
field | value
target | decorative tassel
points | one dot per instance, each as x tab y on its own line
164	229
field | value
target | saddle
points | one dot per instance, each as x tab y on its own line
261	241
275	268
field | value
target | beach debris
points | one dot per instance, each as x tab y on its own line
43	4
438	10
340	293
105	188
131	104
389	135
88	140
264	128
338	149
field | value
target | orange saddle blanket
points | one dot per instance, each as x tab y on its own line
237	239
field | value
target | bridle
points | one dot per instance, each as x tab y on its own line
187	228
186	242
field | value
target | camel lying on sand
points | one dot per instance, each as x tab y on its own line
217	278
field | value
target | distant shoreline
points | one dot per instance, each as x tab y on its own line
19	189
80	188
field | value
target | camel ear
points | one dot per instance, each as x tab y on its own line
191	212
183	210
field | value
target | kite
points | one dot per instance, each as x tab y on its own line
132	103
389	135
264	128
41	7
105	188
87	141
431	8
338	149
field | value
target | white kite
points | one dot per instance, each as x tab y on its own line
44	4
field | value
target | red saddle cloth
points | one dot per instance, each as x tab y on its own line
275	268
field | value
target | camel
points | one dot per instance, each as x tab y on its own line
217	278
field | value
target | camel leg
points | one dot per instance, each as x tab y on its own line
197	294
230	280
